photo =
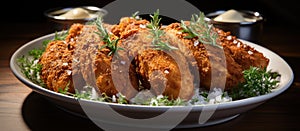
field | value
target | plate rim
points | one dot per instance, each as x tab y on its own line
70	99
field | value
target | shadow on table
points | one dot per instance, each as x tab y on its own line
41	115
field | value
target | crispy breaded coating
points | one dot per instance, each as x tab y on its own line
214	63
57	61
80	56
83	57
157	70
96	63
128	26
56	69
243	54
162	74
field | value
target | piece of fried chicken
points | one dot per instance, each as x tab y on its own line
95	61
56	61
81	57
243	54
83	60
210	59
157	69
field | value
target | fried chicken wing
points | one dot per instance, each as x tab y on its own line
157	69
84	59
163	74
57	63
243	54
81	56
95	62
216	66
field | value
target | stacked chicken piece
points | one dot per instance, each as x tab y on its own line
80	60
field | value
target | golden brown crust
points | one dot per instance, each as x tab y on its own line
157	70
95	62
170	73
128	26
211	75
243	54
161	74
56	69
82	46
57	63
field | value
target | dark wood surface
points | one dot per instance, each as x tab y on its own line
22	109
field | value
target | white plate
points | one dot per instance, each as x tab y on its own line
138	116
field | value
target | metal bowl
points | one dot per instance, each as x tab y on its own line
53	15
247	30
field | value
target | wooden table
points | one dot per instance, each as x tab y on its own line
21	109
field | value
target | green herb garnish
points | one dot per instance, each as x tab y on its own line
121	99
61	36
65	90
57	36
155	21
31	68
257	82
135	16
29	64
36	53
83	95
106	37
87	95
200	28
157	33
164	101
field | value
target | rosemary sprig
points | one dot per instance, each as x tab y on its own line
135	16
61	36
57	36
200	28
111	44
154	23
157	33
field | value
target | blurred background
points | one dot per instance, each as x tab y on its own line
27	17
282	12
278	14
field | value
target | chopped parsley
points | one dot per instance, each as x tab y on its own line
31	68
257	82
29	63
164	101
